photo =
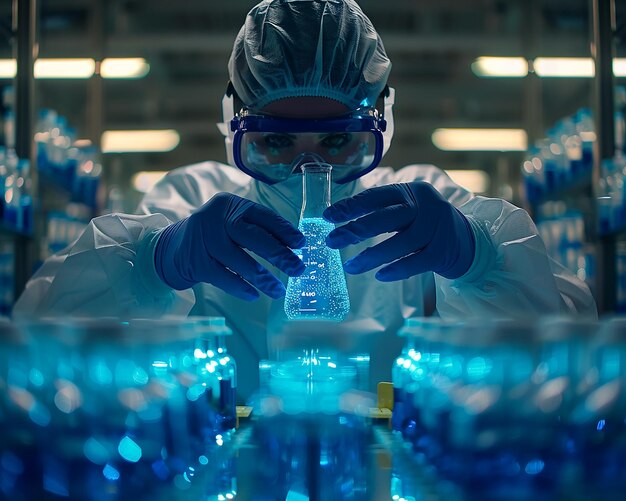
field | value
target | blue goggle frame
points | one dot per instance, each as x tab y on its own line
366	120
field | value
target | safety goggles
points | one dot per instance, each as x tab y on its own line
268	148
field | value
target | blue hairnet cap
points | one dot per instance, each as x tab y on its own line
324	48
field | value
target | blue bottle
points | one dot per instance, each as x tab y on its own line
321	291
212	399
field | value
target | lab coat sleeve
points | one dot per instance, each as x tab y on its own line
106	272
512	275
109	270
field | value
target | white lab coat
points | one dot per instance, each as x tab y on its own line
109	270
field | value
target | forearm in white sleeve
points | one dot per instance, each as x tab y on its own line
512	275
108	271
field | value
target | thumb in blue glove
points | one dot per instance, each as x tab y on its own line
208	246
430	233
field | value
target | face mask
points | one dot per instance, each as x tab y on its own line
285	197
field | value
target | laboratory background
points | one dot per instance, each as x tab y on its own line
520	100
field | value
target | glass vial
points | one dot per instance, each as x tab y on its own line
321	291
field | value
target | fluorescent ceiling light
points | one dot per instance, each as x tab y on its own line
480	139
64	68
127	141
619	67
144	181
132	67
576	67
476	181
564	67
511	67
8	68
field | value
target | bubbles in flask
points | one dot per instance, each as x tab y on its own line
321	291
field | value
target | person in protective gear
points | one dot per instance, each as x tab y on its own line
307	77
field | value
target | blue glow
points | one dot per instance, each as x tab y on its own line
110	473
140	376
181	483
39	415
158	364
55	484
601	425
160	469
203	460
321	291
100	373
129	450
365	102
479	367
195	392
534	467
11	463
36	377
95	451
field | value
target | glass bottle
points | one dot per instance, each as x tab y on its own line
212	398
321	291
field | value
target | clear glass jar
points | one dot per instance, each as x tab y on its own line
321	291
312	364
493	440
432	381
18	444
213	395
600	416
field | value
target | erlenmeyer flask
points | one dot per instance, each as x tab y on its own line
321	291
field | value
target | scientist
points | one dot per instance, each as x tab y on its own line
307	77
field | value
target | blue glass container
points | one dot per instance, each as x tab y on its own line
212	397
321	291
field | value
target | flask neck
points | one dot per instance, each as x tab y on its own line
315	190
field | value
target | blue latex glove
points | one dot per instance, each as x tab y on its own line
208	246
431	234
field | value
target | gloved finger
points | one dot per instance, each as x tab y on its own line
256	239
387	220
387	251
408	266
229	282
240	262
275	225
365	202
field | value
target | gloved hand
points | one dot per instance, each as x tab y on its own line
431	234
208	246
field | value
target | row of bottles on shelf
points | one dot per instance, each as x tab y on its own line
611	202
102	409
16	200
61	159
563	158
70	163
502	407
563	232
7	284
63	228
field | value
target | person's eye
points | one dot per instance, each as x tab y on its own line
277	141
336	140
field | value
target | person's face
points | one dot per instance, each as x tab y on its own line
274	149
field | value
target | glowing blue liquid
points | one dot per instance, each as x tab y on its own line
321	291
